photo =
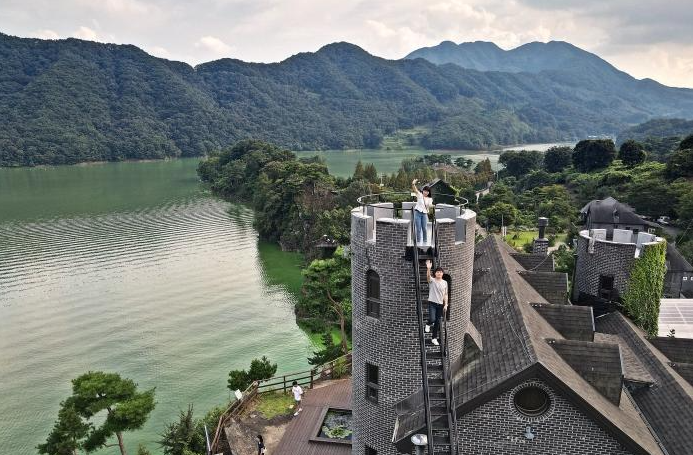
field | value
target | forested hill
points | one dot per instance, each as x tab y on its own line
657	128
67	101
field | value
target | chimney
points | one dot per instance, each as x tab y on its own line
541	245
543	222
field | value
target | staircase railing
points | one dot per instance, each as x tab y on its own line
447	376
422	338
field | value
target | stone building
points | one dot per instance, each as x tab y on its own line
609	214
602	268
386	356
533	375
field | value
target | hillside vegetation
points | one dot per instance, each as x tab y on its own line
70	101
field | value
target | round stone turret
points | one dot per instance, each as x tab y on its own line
386	352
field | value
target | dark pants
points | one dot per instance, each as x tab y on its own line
435	312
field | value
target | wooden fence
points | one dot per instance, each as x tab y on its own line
331	370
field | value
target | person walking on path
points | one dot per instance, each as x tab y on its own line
423	203
437	300
260	445
298	392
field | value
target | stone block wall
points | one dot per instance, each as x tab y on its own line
608	258
391	341
497	428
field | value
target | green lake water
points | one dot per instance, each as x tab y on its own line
342	162
132	268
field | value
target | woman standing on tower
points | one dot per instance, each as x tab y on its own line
423	203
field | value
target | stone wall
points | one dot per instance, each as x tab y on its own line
497	428
608	258
391	342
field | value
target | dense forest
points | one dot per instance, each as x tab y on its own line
69	101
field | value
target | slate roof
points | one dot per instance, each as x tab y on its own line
610	211
668	404
676	349
573	322
633	369
539	262
518	344
598	363
553	286
675	260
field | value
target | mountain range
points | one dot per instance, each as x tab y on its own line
68	101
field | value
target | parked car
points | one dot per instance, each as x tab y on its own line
664	220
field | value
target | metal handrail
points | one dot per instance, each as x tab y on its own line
422	341
449	392
365	200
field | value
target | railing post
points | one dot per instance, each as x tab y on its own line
284	380
312	372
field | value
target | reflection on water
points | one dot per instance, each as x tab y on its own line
172	292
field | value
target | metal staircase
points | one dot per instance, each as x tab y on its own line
440	414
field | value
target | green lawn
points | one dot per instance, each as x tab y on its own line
272	404
527	237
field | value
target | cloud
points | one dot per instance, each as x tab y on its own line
85	33
646	38
214	44
46	34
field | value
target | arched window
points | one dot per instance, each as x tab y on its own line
372	294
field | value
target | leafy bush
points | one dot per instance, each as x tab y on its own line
259	369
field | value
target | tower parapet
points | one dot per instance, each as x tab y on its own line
603	266
384	311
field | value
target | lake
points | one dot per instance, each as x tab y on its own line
342	162
132	268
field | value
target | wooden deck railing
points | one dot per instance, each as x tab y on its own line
284	382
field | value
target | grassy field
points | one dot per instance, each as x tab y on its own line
517	239
272	404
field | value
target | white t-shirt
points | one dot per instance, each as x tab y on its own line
437	290
297	391
423	203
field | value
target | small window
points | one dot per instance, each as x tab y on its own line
532	401
373	294
606	285
685	278
371	451
372	379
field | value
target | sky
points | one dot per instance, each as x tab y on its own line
645	38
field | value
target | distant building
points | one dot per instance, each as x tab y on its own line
609	214
442	190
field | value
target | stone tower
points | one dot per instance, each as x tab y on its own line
603	266
386	353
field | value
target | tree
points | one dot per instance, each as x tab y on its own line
259	369
686	143
92	393
483	167
464	163
519	163
557	158
327	285
68	433
358	171
680	164
632	153
370	173
187	435
500	214
142	450
182	435
592	154
329	352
